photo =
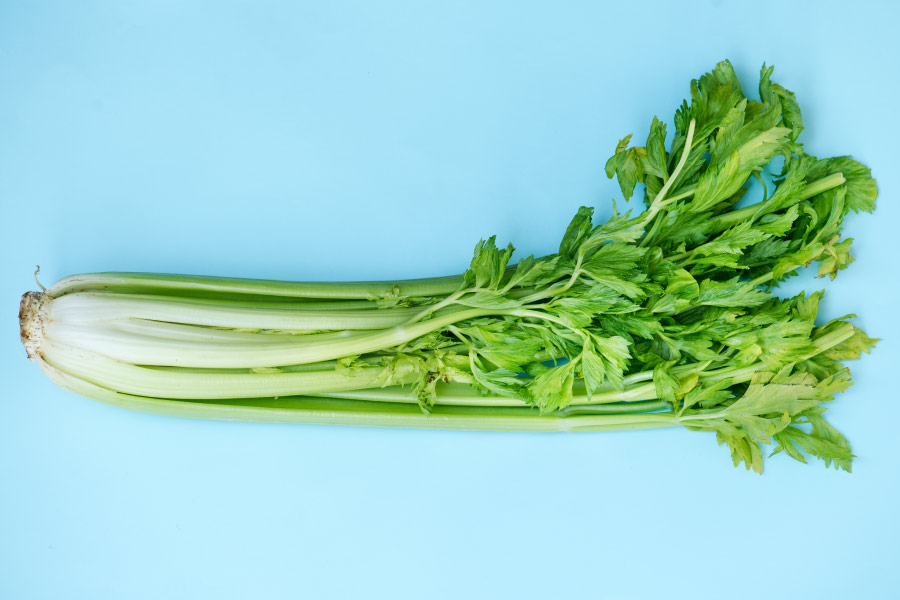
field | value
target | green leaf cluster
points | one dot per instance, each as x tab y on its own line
676	303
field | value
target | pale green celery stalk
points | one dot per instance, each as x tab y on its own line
169	284
617	408
142	381
151	350
456	394
328	365
82	307
448	394
733	217
347	412
822	343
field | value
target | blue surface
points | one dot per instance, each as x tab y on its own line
363	140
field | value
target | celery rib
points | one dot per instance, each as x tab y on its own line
167	283
86	306
142	381
346	412
145	350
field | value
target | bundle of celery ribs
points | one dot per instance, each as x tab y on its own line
657	319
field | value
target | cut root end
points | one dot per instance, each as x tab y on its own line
32	313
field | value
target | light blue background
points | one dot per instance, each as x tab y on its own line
357	140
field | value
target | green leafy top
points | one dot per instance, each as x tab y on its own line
676	302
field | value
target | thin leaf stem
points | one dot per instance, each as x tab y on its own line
657	203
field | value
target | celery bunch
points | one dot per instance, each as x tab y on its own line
661	318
